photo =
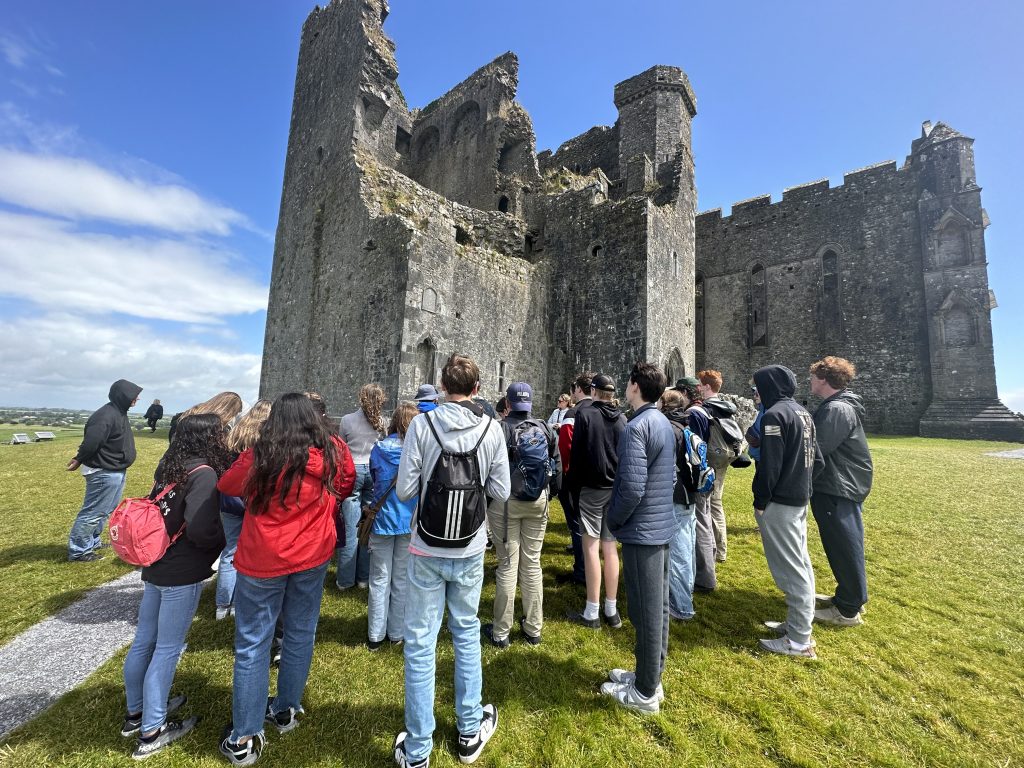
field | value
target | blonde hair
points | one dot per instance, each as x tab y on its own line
402	418
226	405
247	429
371	401
671	399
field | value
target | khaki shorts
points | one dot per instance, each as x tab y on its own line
593	508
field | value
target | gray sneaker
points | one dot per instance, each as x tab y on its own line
625	677
626	695
784	647
780	628
169	733
822	601
831	615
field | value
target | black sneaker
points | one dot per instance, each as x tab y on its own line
283	721
531	639
401	758
471	745
242	754
569	578
169	733
396	643
275	652
88	557
614	621
374	645
488	632
132	723
578	618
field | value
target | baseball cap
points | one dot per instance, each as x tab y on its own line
687	382
603	383
425	393
520	396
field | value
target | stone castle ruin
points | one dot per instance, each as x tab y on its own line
407	235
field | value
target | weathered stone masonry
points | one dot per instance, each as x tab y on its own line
407	235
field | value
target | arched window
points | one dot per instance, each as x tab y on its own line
675	264
758	307
427	143
698	316
951	246
426	362
467	118
959	328
831	307
429	303
675	369
597	250
503	204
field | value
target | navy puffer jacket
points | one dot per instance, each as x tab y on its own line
641	511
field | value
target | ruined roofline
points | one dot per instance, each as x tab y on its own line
807	191
660	77
507	62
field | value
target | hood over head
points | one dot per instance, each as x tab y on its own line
774	382
122	393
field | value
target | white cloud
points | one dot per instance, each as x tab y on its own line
15	51
71	360
52	264
79	189
1013	399
18	128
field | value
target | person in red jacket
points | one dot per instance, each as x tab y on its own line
293	480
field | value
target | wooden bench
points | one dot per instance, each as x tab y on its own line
20	438
40	436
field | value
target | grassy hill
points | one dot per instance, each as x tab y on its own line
935	677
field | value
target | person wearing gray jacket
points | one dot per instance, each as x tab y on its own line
642	518
448	576
840	487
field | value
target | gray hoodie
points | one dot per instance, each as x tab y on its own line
459	429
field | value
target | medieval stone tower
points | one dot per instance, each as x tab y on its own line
407	235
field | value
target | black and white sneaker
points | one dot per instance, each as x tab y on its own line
242	754
169	733
471	745
132	723
283	721
402	759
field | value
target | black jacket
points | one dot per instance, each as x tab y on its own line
682	494
155	412
847	470
108	442
189	559
789	451
595	439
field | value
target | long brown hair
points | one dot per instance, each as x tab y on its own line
402	418
371	400
247	429
226	405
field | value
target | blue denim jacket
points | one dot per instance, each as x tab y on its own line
395	517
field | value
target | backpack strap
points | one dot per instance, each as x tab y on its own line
181	530
483	434
430	424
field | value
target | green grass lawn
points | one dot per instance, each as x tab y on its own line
933	678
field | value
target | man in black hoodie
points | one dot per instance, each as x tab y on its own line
840	487
782	488
594	454
106	452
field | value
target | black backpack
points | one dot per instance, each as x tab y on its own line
452	506
530	446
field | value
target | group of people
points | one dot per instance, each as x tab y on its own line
410	507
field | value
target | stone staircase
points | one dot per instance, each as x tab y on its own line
972	419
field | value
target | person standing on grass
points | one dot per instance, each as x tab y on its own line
174	583
710	386
840	487
446	559
243	435
595	439
426	398
106	452
582	397
518	525
705	579
154	413
782	488
292	480
360	430
390	535
641	516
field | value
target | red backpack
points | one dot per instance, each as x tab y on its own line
137	531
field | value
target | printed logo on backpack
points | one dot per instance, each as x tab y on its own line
452	506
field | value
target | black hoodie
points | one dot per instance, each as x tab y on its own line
789	451
108	442
593	455
847	470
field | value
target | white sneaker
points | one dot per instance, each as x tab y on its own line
625	677
626	695
472	744
223	612
831	615
784	647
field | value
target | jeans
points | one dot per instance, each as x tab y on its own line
518	563
389	584
784	535
435	582
258	603
841	525
103	491
165	615
646	579
226	570
353	559
681	563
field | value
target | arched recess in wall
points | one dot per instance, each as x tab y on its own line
465	121
951	245
675	368
426	362
427	144
958	321
758	319
429	302
830	309
503	204
698	317
511	155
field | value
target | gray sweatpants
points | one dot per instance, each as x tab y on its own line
784	534
705	543
646	577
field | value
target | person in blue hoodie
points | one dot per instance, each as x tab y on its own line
426	398
390	535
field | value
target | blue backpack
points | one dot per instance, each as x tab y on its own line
695	473
531	466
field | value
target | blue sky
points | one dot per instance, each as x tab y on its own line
142	148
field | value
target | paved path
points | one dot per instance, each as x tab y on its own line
46	661
1015	454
